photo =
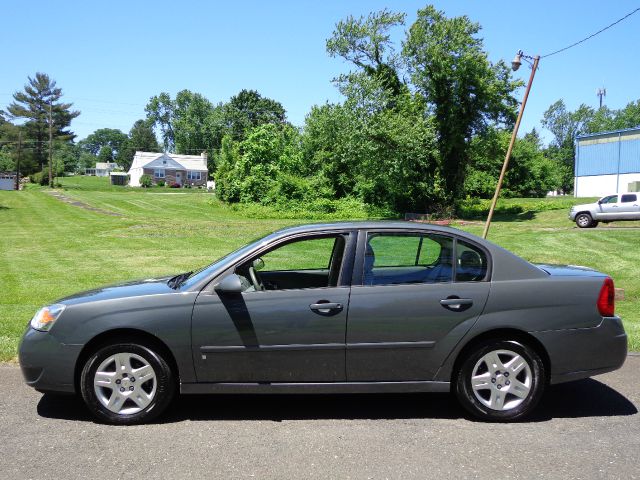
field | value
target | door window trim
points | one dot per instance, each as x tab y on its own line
346	270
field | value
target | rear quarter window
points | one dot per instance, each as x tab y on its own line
471	263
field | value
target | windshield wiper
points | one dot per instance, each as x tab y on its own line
175	282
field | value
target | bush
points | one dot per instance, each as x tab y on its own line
145	181
174	185
41	178
160	183
320	209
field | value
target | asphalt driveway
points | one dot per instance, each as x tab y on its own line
587	429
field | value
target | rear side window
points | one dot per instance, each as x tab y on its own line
628	198
471	263
399	258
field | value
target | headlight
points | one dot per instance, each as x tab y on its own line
46	317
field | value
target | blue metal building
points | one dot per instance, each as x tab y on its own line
607	162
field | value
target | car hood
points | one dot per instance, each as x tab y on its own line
569	270
584	206
138	288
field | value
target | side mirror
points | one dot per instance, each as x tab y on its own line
229	284
599	202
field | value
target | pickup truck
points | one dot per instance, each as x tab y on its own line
615	207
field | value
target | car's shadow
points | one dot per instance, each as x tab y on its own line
584	398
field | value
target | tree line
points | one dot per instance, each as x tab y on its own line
424	123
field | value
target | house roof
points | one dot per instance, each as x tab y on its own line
156	160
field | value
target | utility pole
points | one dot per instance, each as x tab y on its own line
50	148
514	134
602	92
18	160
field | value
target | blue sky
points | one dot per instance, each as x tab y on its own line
110	57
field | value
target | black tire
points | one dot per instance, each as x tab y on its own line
475	402
584	220
158	390
594	224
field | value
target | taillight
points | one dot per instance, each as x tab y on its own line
606	299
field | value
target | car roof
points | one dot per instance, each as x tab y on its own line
370	224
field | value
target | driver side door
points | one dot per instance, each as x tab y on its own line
290	327
609	208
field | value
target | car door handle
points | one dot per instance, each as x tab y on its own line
326	308
456	304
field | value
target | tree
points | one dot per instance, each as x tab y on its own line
41	97
160	114
141	138
16	149
605	119
565	126
104	137
105	155
530	173
366	43
194	124
462	89
247	110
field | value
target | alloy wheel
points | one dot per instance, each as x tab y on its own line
501	380
125	383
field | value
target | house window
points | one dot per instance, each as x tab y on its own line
191	175
158	173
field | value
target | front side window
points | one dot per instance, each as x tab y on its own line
628	198
305	263
610	199
399	258
158	173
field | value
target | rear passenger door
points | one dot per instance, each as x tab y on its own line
629	206
414	295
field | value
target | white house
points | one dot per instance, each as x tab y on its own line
169	168
103	169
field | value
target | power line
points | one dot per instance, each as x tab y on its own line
592	35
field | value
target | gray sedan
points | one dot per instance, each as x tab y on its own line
334	308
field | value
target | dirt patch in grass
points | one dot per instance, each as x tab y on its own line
76	203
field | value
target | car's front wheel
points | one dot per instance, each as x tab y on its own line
584	220
500	380
126	383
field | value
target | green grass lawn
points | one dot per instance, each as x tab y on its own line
49	248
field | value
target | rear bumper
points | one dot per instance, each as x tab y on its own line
47	365
584	352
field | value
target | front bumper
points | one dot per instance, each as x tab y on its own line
47	364
572	215
584	352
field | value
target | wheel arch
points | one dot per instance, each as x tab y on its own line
583	212
502	334
129	335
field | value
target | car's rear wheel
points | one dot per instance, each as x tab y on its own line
126	384
500	380
584	220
